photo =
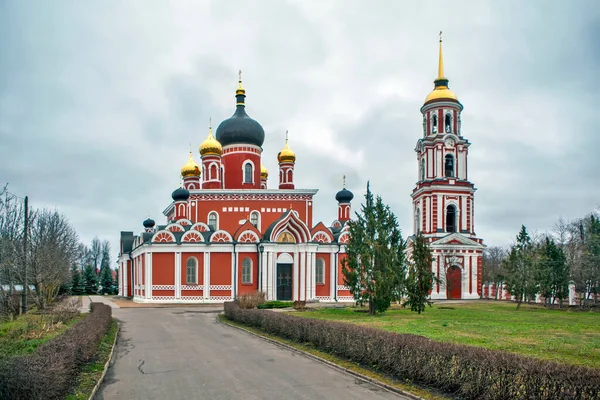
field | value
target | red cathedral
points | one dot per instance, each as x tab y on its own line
228	233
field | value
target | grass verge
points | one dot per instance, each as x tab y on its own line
24	334
92	372
408	387
563	336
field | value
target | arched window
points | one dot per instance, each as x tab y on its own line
213	221
320	271
434	124
423	169
289	176
214	174
255	218
449	166
192	271
418	220
247	271
451	218
448	123
248	173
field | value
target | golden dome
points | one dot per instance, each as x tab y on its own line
286	154
264	173
190	168
441	90
210	146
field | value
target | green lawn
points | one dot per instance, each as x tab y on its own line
24	334
564	336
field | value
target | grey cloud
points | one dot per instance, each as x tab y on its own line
99	101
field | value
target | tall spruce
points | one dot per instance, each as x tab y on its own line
420	276
90	280
552	272
520	269
374	267
77	283
106	281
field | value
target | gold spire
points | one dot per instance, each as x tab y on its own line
441	61
286	154
190	168
240	88
264	172
210	146
441	90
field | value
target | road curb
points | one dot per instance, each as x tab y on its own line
110	357
326	362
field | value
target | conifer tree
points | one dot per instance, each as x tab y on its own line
520	268
552	272
106	280
374	268
420	276
90	280
77	284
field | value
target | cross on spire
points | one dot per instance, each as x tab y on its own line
344	181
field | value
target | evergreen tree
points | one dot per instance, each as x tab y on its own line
552	272
77	284
420	276
374	268
520	268
106	281
90	280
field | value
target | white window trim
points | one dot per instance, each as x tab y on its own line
195	282
216	227
259	218
244	171
322	282
251	268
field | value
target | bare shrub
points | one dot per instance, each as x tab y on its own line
51	371
299	305
465	371
251	300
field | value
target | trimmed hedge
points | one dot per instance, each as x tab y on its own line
51	371
275	304
466	371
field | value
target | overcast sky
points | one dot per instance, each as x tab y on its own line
100	100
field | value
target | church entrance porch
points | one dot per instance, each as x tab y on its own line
284	282
453	283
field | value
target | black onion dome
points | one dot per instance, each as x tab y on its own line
344	196
180	194
240	128
149	223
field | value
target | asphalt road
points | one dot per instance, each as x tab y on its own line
176	353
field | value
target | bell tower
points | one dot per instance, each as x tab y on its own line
443	198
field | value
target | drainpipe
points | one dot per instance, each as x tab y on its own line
235	272
336	272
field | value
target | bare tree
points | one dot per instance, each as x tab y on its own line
53	249
493	270
95	255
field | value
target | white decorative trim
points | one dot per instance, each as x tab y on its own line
220	287
163	287
221	298
192	287
342	287
323	298
346	298
174	225
192	298
192	232
252	233
163	298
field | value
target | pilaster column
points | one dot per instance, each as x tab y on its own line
149	275
206	280
332	283
178	275
296	271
